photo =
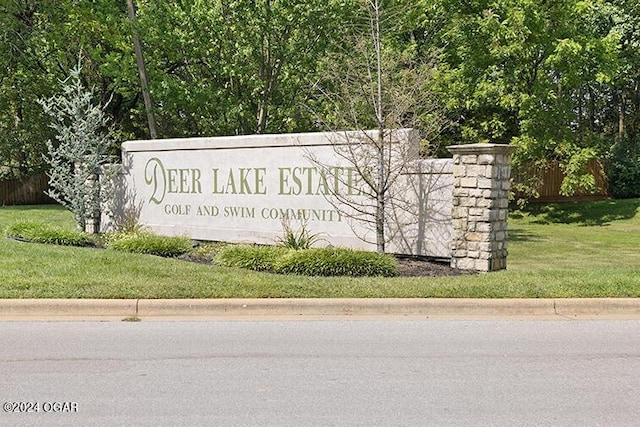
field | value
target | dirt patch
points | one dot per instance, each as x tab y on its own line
421	267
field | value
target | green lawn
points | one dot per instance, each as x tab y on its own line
555	251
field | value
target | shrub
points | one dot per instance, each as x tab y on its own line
308	262
337	262
258	258
623	170
148	243
40	232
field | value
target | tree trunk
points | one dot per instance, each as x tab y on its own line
621	119
382	170
380	220
148	102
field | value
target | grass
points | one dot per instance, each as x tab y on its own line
555	251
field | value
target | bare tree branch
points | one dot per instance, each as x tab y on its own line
372	86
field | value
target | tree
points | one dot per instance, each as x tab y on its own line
41	40
623	157
83	139
375	86
234	67
142	71
534	74
22	79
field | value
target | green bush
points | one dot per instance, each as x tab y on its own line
309	262
40	232
337	262
258	258
148	243
623	170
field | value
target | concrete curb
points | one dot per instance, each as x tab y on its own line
264	309
344	307
67	308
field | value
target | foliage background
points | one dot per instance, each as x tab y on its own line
559	79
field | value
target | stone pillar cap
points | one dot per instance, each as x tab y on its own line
481	149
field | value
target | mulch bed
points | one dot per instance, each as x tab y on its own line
408	266
422	267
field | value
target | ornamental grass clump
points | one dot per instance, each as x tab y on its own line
40	232
308	262
302	238
257	258
337	262
143	242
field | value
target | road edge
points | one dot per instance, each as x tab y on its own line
312	308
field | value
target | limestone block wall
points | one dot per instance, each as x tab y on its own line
241	189
481	174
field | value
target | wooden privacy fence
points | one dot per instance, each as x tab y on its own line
25	191
551	182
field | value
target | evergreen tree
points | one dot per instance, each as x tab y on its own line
75	158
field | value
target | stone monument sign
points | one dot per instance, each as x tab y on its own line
244	188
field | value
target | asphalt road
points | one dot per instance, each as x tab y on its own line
321	373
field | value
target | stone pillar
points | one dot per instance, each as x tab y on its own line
481	175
